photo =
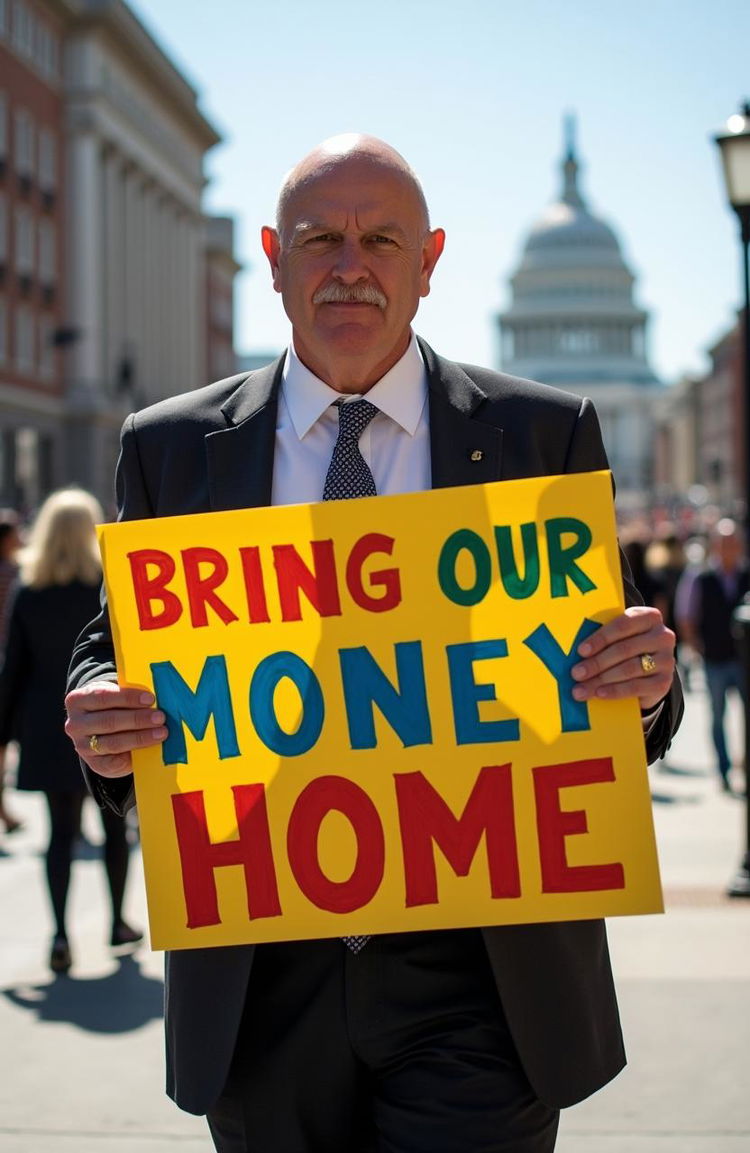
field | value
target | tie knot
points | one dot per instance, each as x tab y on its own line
354	417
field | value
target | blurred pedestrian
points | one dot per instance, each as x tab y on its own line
667	560
645	580
706	623
58	591
10	542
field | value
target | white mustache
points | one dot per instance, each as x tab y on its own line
350	294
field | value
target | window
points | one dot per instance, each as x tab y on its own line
24	241
47	160
45	51
3	17
3	123
3	331
3	229
24	142
23	29
24	340
578	340
47	254
46	348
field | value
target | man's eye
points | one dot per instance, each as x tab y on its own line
321	238
382	240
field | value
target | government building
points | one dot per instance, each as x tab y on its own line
573	322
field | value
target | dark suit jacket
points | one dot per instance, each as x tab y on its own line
213	449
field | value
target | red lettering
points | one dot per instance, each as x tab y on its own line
320	585
388	579
199	856
255	591
200	589
316	800
425	818
153	588
554	824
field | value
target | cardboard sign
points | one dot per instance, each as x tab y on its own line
371	724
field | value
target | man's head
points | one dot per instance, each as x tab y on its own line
351	255
726	544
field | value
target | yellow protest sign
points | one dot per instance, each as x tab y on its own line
371	724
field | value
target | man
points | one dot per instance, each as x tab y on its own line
708	601
426	1042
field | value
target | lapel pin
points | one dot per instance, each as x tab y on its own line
477	454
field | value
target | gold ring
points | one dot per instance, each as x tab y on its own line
648	664
94	744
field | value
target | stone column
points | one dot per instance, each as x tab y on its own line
150	332
172	333
112	271
84	258
198	276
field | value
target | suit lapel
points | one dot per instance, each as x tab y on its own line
463	450
239	458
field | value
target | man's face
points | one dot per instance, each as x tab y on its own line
353	259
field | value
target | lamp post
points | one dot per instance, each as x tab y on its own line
734	145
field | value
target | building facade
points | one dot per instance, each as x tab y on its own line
573	323
701	434
32	176
136	142
115	289
221	270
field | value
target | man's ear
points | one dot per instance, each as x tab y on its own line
269	238
434	243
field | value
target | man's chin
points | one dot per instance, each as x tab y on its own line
354	332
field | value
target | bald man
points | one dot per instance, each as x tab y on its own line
434	1042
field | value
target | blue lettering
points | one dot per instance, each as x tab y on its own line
182	706
405	708
466	693
574	714
266	677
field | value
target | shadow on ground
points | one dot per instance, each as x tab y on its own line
673	770
122	1001
658	798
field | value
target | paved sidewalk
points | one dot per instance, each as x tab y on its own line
684	978
82	1056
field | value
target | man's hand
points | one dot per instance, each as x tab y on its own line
120	720
611	667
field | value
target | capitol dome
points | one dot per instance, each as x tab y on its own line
569	226
573	318
573	321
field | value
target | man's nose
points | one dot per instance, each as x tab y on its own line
350	265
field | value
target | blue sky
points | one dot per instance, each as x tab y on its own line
473	94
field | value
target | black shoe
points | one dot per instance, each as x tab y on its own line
60	959
124	934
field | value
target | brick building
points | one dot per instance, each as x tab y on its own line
32	176
108	264
701	433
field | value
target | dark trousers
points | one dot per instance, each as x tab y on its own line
721	678
402	1048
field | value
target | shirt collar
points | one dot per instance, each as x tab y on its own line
400	394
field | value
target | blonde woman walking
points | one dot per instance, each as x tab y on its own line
58	593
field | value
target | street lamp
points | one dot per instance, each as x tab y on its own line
734	145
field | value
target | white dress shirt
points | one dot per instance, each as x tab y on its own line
395	444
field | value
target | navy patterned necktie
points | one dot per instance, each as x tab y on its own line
348	476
